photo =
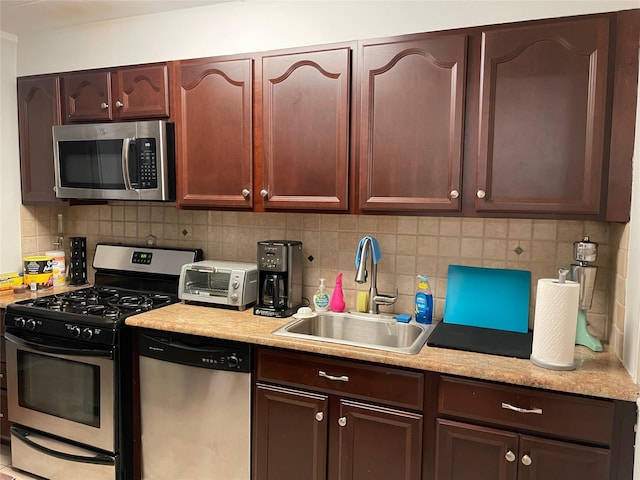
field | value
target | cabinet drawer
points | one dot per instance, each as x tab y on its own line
564	415
350	378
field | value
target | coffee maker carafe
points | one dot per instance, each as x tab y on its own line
279	278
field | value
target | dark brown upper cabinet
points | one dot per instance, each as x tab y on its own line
411	120
124	93
543	101
214	140
38	111
303	140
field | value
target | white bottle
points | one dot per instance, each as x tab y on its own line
321	298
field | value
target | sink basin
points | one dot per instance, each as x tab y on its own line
380	332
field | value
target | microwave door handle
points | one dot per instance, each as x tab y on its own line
125	163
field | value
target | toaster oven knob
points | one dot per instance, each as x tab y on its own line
19	322
234	297
235	284
31	324
87	333
75	331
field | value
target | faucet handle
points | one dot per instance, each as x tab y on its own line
386	299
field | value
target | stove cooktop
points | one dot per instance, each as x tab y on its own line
94	305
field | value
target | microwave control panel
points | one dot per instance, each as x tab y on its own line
147	165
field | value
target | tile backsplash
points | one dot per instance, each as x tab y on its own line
410	246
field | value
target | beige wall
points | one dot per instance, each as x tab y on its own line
410	245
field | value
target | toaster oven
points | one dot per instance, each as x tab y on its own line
233	284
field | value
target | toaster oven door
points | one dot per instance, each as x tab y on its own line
207	285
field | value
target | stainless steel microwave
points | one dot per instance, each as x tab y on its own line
115	161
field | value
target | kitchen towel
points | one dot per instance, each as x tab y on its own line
555	320
496	298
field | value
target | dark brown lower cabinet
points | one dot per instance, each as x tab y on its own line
291	434
318	418
465	451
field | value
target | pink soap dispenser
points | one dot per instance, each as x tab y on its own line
337	298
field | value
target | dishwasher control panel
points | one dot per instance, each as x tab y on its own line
195	351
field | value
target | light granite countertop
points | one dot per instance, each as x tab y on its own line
8	298
598	374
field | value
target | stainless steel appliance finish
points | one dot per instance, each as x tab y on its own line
195	404
115	161
33	452
70	365
280	278
215	282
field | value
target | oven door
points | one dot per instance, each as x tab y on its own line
62	389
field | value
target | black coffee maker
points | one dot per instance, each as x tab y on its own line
279	278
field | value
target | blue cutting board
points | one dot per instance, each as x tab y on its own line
488	297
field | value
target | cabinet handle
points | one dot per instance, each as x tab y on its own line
245	193
264	193
342	421
510	456
537	411
526	460
104	106
481	194
319	416
454	194
341	378
119	104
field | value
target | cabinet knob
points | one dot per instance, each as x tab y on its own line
481	194
342	421
104	106
526	460
245	193
510	456
319	416
119	104
264	193
454	194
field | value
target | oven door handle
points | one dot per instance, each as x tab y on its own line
79	352
98	459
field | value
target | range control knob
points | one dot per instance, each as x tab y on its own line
233	361
20	322
87	333
75	331
31	324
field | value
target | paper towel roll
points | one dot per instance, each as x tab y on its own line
554	327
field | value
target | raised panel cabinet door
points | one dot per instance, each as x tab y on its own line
305	102
412	97
376	443
290	434
465	452
141	92
214	157
542	118
541	459
87	96
38	111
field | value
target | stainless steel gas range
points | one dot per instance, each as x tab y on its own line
70	365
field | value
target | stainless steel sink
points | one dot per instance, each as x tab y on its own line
379	332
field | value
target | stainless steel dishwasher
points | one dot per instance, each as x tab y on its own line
195	407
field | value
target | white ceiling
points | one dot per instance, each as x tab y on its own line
25	16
